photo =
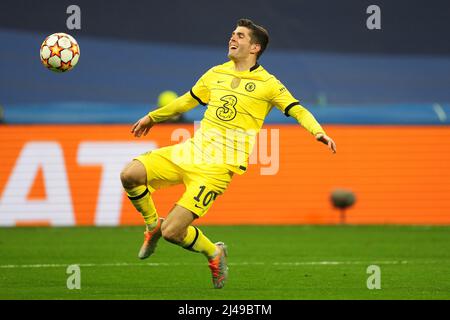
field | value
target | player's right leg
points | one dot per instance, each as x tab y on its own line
134	181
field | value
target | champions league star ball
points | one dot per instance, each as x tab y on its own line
60	52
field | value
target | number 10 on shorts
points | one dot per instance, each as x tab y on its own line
207	198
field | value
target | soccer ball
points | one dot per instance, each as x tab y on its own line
60	52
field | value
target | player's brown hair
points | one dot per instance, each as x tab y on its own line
258	34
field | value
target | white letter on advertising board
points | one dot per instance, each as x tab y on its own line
112	156
56	208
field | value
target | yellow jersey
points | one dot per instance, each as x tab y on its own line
237	103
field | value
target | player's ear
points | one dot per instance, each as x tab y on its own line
255	48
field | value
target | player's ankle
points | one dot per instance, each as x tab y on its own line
151	226
216	252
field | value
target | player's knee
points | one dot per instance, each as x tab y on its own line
130	178
171	234
126	178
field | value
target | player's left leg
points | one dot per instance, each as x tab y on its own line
203	185
177	229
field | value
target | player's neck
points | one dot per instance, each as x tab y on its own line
244	65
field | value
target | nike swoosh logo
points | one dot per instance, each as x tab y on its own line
220	81
198	207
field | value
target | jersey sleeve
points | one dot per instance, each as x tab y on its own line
282	98
200	91
290	106
178	106
306	119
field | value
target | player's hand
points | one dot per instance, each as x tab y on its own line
326	140
142	126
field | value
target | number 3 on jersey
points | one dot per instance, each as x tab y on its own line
227	111
207	198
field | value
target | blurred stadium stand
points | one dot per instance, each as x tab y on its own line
400	75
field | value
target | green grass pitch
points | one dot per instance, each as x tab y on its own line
266	262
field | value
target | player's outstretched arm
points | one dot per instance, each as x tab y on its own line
142	126
180	105
307	120
326	140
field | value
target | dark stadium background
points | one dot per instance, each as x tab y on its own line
321	49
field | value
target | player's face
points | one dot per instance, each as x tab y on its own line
240	46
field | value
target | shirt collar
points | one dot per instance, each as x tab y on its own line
254	67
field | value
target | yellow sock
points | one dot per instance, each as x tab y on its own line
196	241
142	201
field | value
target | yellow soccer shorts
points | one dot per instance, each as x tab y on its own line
204	183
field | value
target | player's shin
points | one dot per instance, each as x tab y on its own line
196	241
141	199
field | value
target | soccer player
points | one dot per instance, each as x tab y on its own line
237	95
